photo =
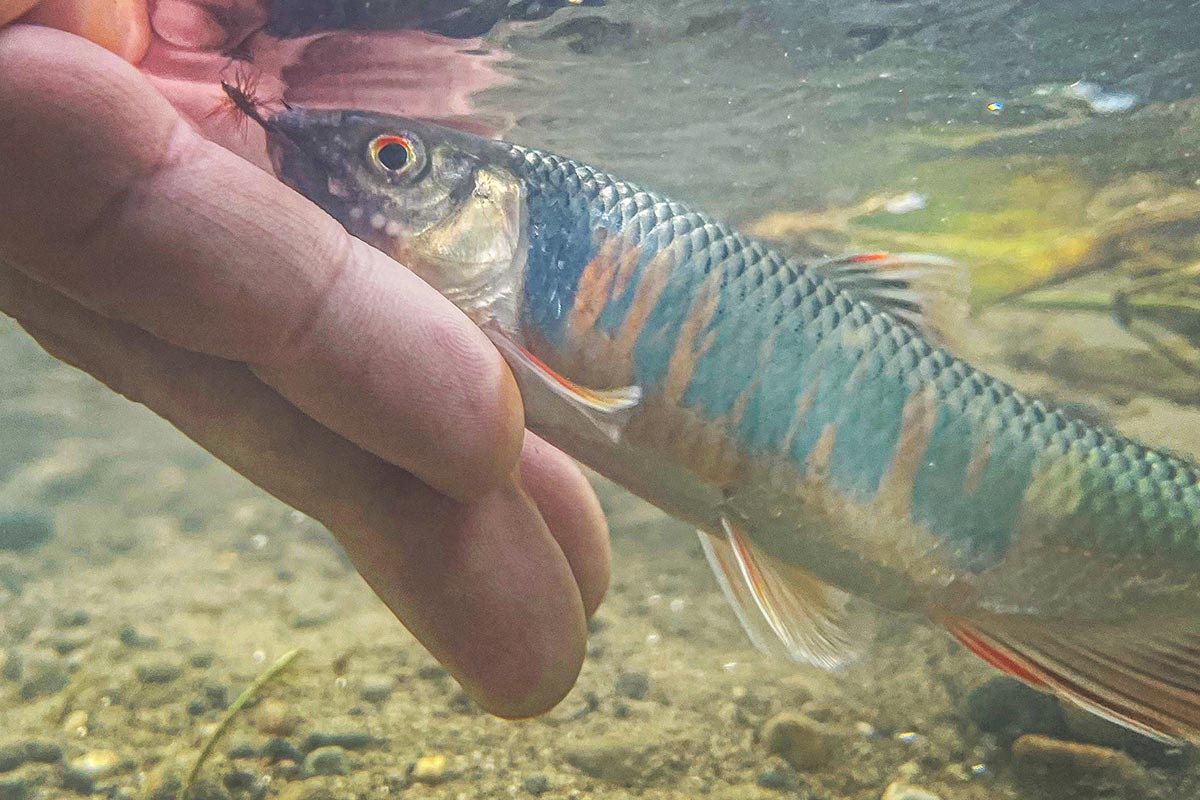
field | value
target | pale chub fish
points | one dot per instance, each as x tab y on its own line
801	416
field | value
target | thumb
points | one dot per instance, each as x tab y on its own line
122	26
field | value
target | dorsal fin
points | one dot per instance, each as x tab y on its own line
784	610
925	291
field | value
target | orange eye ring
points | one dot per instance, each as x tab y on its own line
393	153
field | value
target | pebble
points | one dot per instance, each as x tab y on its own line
15	787
327	761
430	769
615	758
350	740
83	772
904	791
536	785
75	618
22	531
132	637
202	660
800	741
282	750
215	694
1008	708
314	617
159	672
67	643
44	678
1042	757
240	780
634	685
14	666
777	779
244	748
433	672
377	688
75	721
275	717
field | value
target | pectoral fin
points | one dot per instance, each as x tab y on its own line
784	610
607	409
1144	676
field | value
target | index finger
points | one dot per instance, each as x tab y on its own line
113	199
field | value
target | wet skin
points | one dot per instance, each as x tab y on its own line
191	281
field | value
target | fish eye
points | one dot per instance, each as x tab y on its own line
393	153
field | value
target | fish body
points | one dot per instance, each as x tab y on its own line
802	416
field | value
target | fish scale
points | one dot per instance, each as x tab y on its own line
758	282
803	417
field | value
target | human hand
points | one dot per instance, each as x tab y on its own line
193	282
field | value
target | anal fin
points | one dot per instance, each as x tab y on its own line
1145	676
607	409
784	610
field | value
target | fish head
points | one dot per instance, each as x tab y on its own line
440	201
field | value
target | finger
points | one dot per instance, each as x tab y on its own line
13	9
573	513
112	199
120	26
482	584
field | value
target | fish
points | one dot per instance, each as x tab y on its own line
808	418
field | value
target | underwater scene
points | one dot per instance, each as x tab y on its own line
169	630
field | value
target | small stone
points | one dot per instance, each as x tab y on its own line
196	707
15	787
14	666
904	791
44	678
377	688
11	757
244	748
67	643
1008	708
83	772
75	618
159	672
314	617
634	685
132	637
1043	758
432	672
215	694
614	758
350	740
202	660
327	761
240	780
800	741
430	769
42	752
776	779
282	750
75	721
22	531
274	717
536	785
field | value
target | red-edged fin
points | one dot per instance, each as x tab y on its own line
928	292
607	409
1144	676
785	611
